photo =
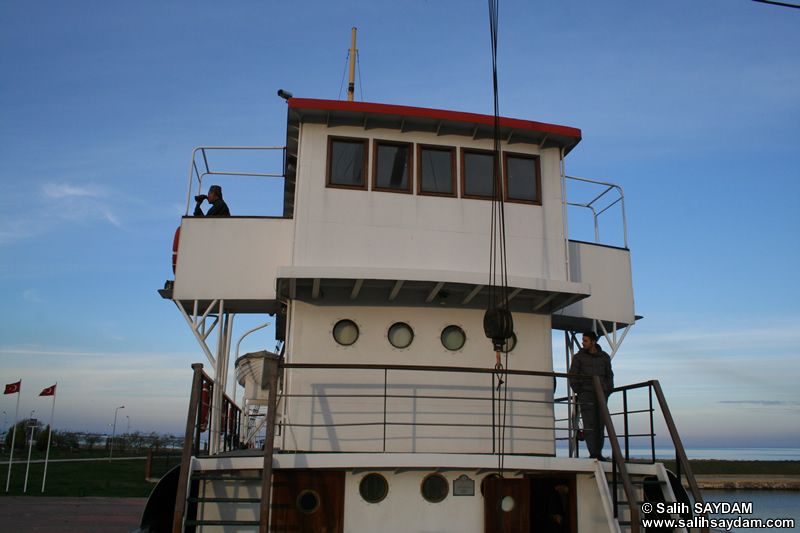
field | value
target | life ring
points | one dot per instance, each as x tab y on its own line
175	248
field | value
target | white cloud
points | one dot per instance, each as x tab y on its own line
65	190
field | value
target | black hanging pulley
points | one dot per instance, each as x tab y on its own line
498	326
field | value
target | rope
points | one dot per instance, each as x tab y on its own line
497	322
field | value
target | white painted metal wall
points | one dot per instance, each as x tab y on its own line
312	342
340	227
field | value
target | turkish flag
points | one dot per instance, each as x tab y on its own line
49	391
11	388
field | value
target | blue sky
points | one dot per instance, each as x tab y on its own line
691	106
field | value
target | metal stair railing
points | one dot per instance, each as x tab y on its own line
682	462
618	460
186	457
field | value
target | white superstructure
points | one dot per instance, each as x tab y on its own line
389	414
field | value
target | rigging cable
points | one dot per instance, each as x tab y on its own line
497	322
344	74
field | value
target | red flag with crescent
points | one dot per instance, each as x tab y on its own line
12	388
49	391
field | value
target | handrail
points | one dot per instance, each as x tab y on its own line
194	171
186	457
276	366
619	461
273	362
590	205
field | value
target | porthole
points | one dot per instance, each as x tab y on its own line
483	481
373	488
453	338
510	344
345	332
307	501
507	504
401	335
434	488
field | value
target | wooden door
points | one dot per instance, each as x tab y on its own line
506	505
307	501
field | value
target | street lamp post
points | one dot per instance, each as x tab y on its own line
114	432
128	431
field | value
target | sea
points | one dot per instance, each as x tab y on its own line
766	504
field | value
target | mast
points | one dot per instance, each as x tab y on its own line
351	89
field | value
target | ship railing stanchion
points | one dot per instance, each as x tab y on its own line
186	457
273	362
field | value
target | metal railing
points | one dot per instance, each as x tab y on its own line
491	393
599	203
201	169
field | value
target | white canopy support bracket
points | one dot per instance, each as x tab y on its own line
198	326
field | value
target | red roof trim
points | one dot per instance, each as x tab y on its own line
365	107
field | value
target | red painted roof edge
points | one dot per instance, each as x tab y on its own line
366	107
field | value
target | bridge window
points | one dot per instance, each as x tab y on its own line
437	170
476	173
347	162
392	166
523	182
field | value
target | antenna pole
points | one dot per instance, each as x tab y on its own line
351	89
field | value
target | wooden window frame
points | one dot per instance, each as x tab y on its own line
453	182
464	152
376	144
537	166
364	169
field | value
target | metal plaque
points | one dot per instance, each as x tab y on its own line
463	486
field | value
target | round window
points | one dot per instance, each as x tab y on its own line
373	488
453	338
345	332
307	501
483	481
507	504
401	335
434	488
510	344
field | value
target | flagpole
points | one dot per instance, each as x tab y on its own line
13	438
30	449
50	435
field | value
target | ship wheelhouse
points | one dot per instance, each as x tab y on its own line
383	389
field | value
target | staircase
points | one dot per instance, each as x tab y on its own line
648	486
221	499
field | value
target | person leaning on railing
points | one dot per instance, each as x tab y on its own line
591	360
218	206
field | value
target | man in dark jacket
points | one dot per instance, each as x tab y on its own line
591	361
218	206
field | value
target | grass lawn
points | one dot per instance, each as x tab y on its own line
740	468
120	478
99	478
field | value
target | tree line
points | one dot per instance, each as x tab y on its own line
73	441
